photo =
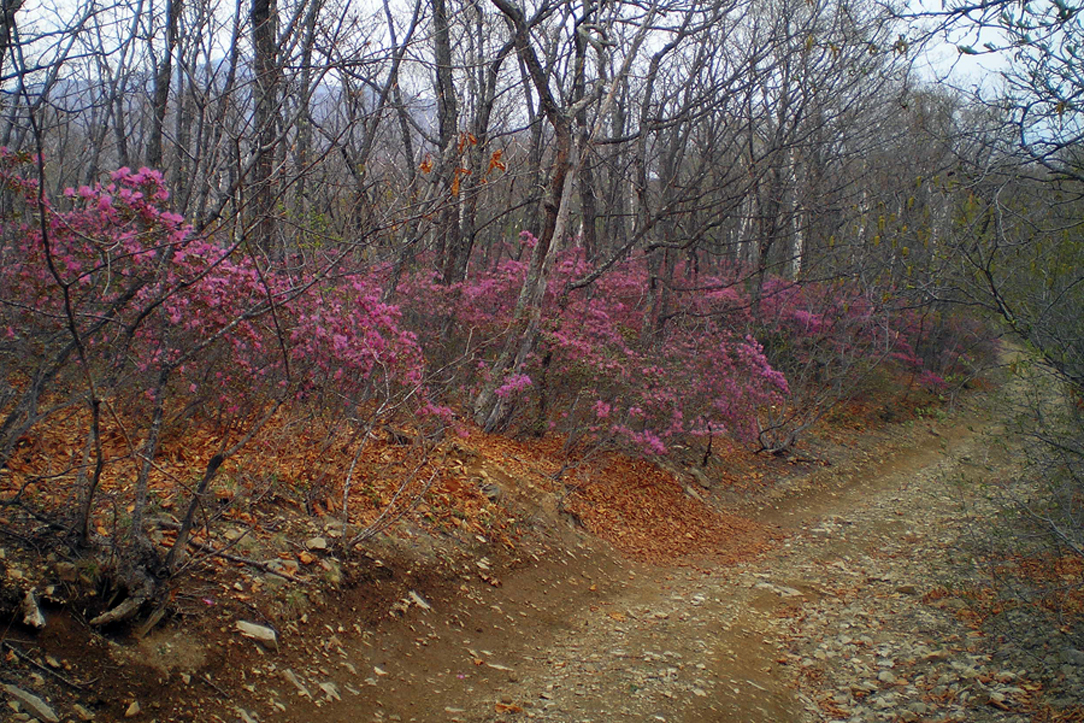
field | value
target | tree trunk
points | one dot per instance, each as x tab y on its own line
266	121
8	8
162	80
489	410
449	243
586	180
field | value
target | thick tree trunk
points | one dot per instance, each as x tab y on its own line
448	241
266	90
162	80
8	8
489	409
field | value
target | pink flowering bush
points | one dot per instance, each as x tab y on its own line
619	363
601	371
837	342
692	376
467	317
107	283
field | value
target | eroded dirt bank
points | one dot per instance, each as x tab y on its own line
858	610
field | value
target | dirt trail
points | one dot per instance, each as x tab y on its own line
582	634
709	645
844	619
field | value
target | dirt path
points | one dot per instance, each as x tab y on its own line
755	643
845	619
849	617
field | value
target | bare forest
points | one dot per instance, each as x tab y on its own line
300	254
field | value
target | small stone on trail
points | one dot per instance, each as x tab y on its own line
316	543
293	680
289	568
31	612
133	710
419	601
66	572
37	707
262	633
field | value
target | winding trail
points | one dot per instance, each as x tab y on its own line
849	617
845	619
741	644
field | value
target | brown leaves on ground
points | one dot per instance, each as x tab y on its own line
645	512
305	462
1058	575
1048	714
299	462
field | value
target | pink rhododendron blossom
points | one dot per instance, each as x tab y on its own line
513	384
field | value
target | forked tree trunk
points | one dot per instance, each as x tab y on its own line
489	409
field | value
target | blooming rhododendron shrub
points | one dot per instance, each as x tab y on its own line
450	318
601	370
107	297
145	294
837	341
349	344
645	384
615	364
81	283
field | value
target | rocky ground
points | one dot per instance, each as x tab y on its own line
869	611
870	602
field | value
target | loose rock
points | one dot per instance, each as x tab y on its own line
35	705
262	633
32	615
